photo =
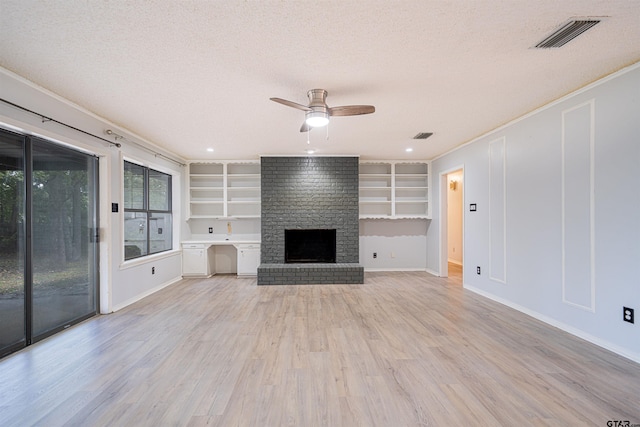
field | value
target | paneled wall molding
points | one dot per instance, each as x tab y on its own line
578	203
498	211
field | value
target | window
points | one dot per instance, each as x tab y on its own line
147	211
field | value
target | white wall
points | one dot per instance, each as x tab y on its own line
121	283
241	229
557	230
400	244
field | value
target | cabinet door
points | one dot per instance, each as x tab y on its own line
195	262
248	260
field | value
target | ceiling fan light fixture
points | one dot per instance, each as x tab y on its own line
317	119
317	113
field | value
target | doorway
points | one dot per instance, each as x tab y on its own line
48	244
452	224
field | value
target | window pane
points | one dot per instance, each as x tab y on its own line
133	186
159	232
63	197
159	191
12	237
135	234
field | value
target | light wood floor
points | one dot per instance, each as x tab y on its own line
404	349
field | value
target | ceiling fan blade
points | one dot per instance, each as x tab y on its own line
291	104
351	110
305	127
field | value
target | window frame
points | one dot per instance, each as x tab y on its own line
146	209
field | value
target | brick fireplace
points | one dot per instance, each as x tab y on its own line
309	193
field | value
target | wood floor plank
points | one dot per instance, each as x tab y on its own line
404	349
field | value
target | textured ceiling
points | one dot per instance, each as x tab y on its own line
188	75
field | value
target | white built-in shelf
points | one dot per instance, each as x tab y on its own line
224	189
394	189
231	189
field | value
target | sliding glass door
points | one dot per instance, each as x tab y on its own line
48	239
64	254
12	250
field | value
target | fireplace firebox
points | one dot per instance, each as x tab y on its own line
310	246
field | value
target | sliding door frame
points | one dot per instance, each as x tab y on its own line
93	248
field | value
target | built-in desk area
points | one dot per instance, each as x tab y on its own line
198	258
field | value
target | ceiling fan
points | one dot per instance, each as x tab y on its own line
318	112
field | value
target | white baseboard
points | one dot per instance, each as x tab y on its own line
145	294
553	322
368	269
454	261
433	272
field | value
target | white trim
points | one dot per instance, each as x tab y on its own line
135	262
583	89
592	284
393	189
105	285
592	200
443	253
150	165
309	155
373	270
635	357
145	294
454	261
103	204
19	126
433	272
385	161
176	209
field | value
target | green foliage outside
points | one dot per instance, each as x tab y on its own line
46	277
60	229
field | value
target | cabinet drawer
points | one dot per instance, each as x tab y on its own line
192	246
248	246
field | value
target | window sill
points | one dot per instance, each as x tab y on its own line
149	258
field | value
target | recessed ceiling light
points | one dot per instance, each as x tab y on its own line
210	150
311	151
408	150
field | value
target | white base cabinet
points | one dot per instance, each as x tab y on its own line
248	259
199	258
195	260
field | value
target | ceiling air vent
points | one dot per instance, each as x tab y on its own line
567	32
423	135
